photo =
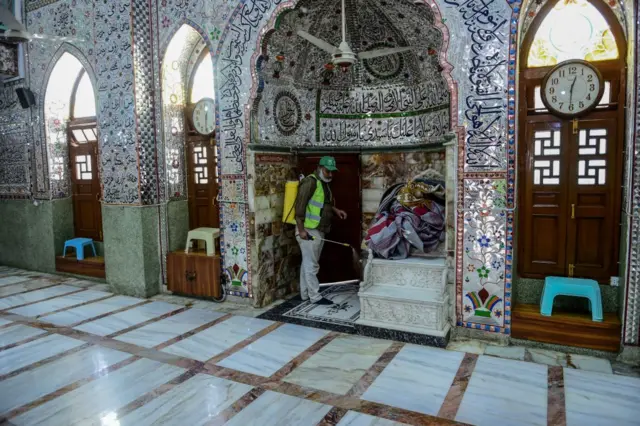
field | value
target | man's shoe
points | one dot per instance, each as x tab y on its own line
323	301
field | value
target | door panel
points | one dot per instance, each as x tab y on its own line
543	206
202	182
336	261
85	180
593	226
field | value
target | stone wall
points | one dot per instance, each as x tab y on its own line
275	254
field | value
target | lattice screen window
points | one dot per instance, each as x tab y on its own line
200	169
592	162
546	157
83	167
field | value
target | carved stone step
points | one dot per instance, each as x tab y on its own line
414	272
407	309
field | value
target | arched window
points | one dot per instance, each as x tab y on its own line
573	29
83	99
202	82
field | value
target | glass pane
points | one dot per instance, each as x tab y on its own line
79	136
202	85
537	99
85	105
573	29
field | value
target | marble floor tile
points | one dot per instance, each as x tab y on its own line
4	322
158	332
339	365
122	320
601	399
97	401
23	286
17	333
274	409
589	363
217	339
192	403
37	350
12	279
504	391
61	302
92	310
353	418
510	352
544	356
469	346
424	376
33	384
35	296
270	353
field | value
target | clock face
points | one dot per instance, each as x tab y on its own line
572	88
204	120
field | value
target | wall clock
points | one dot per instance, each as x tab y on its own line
572	88
203	116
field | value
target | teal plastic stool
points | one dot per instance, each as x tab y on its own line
79	244
578	287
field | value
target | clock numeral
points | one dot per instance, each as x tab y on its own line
570	107
582	73
562	74
589	96
561	105
592	87
554	99
573	70
555	81
590	78
552	90
581	104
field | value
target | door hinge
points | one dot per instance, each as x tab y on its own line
575	126
573	211
571	269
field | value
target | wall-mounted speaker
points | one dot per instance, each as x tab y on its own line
26	97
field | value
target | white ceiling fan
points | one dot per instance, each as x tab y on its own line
342	55
15	32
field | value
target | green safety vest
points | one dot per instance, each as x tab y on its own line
315	206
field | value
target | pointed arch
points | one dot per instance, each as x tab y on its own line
590	31
58	89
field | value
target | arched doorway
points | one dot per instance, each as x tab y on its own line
570	166
72	137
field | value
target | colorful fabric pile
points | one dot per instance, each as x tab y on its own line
410	218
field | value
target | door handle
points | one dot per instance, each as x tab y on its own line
573	211
190	276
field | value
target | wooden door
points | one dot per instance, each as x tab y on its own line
85	181
336	261
202	182
593	193
543	222
570	198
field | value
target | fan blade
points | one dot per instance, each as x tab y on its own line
10	21
317	42
383	52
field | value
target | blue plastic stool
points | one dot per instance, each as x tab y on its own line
79	244
562	286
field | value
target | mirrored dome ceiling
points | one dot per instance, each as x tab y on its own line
371	25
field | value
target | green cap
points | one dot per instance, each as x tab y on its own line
329	163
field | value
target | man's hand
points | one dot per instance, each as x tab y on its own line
304	234
341	214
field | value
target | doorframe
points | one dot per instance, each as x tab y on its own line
526	85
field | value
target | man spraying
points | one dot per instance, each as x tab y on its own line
314	212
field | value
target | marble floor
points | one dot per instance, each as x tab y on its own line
72	353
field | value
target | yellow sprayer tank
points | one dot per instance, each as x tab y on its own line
290	194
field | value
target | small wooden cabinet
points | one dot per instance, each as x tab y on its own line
193	274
